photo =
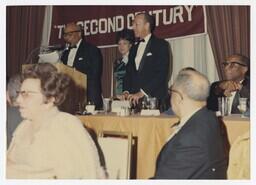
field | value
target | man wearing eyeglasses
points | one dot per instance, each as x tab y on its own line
236	85
195	148
86	58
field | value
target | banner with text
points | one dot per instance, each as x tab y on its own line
100	23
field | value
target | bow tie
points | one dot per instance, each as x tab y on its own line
71	47
141	40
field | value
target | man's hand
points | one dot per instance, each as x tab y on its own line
134	98
123	96
229	86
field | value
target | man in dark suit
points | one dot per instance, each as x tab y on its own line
86	58
237	83
195	149
148	64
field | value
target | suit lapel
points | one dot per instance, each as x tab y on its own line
143	59
245	91
64	57
79	50
133	54
190	121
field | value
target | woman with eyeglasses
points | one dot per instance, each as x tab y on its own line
49	144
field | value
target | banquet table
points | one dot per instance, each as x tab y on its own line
152	132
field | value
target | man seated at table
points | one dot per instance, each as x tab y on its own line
169	111
237	83
195	149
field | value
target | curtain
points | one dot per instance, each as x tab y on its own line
229	32
47	26
193	52
109	56
186	52
23	34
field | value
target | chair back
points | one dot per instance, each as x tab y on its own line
116	148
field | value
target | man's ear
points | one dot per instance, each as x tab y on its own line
147	26
245	69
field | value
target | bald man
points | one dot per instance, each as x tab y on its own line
148	64
86	58
236	84
195	149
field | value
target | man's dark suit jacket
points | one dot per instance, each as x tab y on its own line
212	101
152	75
195	152
88	60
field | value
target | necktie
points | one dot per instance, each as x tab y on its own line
234	109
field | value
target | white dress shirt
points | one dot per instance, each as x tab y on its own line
140	51
72	54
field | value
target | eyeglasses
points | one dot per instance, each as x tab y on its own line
25	94
175	91
69	34
233	64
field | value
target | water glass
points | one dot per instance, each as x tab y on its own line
106	105
151	103
242	106
223	106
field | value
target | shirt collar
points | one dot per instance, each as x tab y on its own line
78	44
147	38
125	58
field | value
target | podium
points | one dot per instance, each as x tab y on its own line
77	94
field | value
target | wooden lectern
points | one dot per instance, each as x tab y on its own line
77	95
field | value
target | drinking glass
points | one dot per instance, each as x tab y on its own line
223	106
106	105
151	103
242	106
